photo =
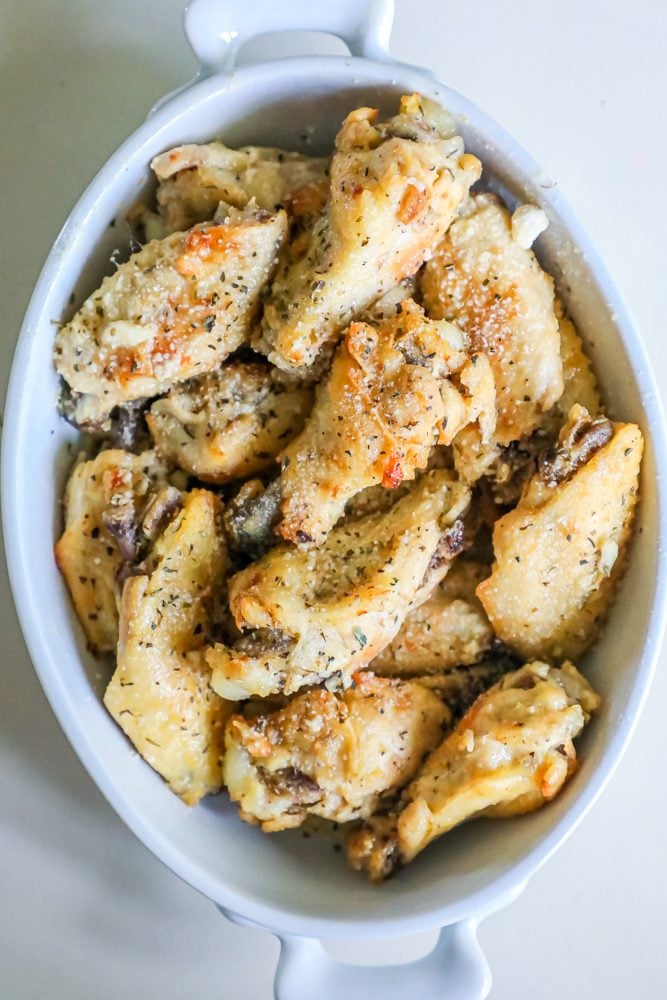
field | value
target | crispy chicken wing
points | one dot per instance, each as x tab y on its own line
328	611
375	419
559	554
105	501
175	310
492	286
230	423
580	385
395	187
449	630
160	694
194	179
510	753
331	755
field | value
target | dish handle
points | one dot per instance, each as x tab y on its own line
216	29
456	969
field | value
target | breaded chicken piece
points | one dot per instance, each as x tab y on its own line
449	630
510	754
230	423
395	187
560	553
160	694
328	611
493	287
330	755
194	179
175	310
580	385
105	500
375	419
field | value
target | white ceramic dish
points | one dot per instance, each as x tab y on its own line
299	888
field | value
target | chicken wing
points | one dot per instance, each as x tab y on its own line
328	611
160	694
330	755
230	423
175	310
375	419
560	553
510	754
449	630
194	179
105	501
492	286
395	188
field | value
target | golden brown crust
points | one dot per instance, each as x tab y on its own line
492	287
509	754
193	179
175	310
560	552
330	755
395	187
230	423
375	419
160	694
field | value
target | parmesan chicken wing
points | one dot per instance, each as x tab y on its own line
160	694
510	754
484	278
328	611
559	554
230	423
174	310
194	179
579	383
449	630
105	501
330	755
395	187
375	419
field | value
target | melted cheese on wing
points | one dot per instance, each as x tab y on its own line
509	754
194	179
375	419
494	288
176	309
559	554
230	423
395	187
87	553
160	694
330	755
330	610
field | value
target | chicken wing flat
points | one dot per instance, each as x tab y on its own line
194	179
559	554
328	611
395	187
449	630
375	419
105	500
510	754
492	286
175	310
230	423
160	694
330	755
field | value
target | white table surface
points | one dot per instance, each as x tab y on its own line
85	911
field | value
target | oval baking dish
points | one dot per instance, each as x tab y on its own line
294	887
